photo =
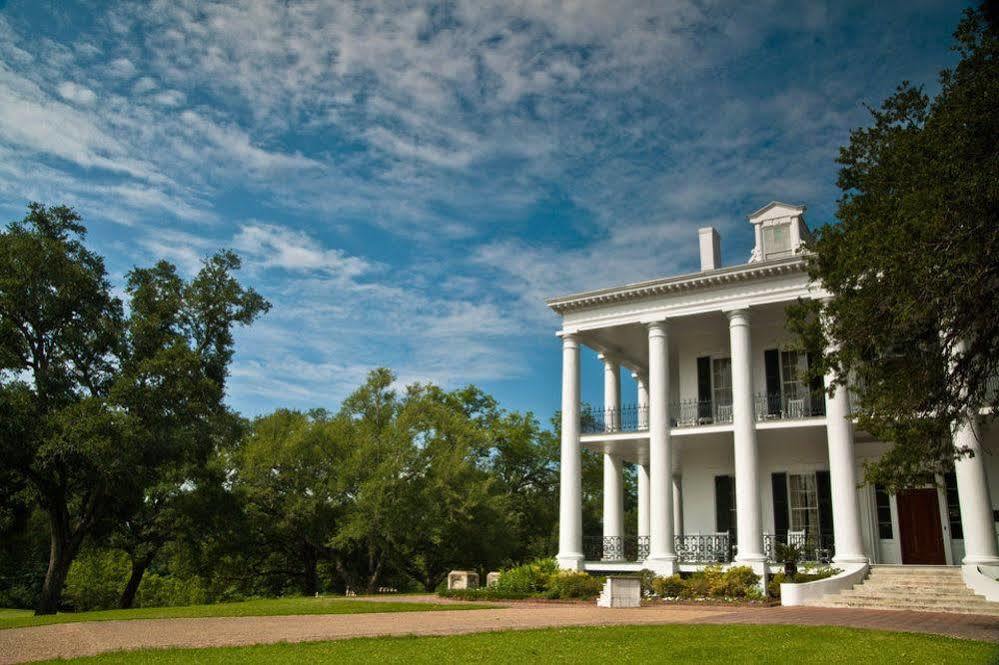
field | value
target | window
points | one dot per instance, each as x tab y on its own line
803	495
793	367
776	241
883	503
721	382
953	506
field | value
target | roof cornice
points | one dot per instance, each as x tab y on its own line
680	283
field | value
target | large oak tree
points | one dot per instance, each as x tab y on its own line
913	265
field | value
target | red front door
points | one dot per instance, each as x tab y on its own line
920	534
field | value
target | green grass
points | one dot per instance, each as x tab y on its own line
265	607
602	645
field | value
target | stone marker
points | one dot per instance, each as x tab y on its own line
462	579
621	592
492	578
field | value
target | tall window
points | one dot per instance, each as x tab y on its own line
883	503
776	241
793	366
803	495
721	381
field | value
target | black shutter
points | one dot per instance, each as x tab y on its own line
778	482
723	503
771	363
704	387
825	505
816	387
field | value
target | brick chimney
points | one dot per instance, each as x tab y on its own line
710	243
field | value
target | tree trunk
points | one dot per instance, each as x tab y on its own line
139	567
309	561
62	551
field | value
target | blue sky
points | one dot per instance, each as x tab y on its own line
408	181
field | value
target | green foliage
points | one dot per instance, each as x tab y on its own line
573	585
485	593
774	582
737	582
671	586
913	265
95	580
531	577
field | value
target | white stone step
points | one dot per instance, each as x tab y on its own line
921	588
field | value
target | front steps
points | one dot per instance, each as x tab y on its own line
922	588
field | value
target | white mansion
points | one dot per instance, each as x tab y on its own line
733	452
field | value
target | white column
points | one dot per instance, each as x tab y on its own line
643	499
612	393
677	503
973	491
613	469
570	526
613	506
847	534
662	557
642	400
747	460
643	468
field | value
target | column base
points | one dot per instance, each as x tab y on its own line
570	561
850	558
980	560
758	563
662	566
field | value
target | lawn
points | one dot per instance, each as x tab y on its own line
602	645
265	607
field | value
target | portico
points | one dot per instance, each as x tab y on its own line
733	448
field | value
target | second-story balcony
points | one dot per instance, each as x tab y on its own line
701	413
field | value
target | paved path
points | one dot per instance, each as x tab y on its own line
80	639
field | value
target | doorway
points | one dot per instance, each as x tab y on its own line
920	533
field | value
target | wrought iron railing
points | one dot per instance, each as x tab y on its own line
815	547
694	412
628	418
704	548
776	406
615	548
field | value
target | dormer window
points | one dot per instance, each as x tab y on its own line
780	231
777	241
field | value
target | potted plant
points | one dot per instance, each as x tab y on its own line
789	555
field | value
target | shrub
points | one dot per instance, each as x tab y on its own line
96	579
668	587
161	591
566	585
528	578
738	582
773	586
485	593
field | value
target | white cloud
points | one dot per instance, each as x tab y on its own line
77	94
279	247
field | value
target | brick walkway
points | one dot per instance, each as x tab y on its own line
80	639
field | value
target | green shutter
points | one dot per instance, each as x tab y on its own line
825	505
723	503
778	483
771	364
704	387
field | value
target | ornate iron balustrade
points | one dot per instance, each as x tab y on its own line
693	412
707	548
775	406
629	418
815	548
627	548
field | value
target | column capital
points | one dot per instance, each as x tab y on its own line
569	339
738	315
640	377
657	327
609	358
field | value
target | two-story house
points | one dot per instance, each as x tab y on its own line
733	451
